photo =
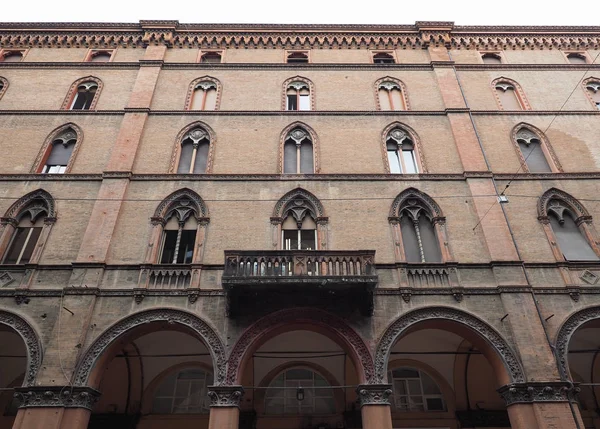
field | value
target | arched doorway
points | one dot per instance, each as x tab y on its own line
153	370
445	367
302	367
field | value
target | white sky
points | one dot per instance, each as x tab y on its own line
462	12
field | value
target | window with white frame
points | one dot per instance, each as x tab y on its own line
84	96
298	96
401	152
282	394
415	390
298	157
183	392
24	239
60	152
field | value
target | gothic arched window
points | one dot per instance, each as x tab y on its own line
3	86
297	96
509	94
183	392
298	156
401	153
59	151
195	146
204	95
531	147
592	87
418	233
86	92
391	95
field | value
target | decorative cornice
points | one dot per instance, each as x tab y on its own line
526	393
57	396
225	396
374	394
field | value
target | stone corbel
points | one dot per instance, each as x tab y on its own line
225	396
57	396
526	393
374	394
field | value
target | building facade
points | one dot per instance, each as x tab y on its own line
299	227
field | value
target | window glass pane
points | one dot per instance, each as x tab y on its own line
304	102
186	247
290	157
185	159
435	404
60	154
162	405
30	245
290	239
18	241
80	101
409	239
201	157
298	374
429	386
211	99
167	386
405	373
431	248
211	57
394	162
307	239
168	251
409	161
508	99
534	157
292	102
571	242
306	158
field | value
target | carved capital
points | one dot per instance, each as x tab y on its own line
158	221
544	220
374	394
524	393
276	220
9	221
394	220
57	396
322	220
225	396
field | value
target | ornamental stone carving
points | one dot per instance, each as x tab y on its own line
364	359
555	196
184	199
402	324
197	325
32	344
57	396
225	396
374	394
295	199
421	199
524	393
37	200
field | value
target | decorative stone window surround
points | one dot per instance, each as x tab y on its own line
202	52
418	149
590	80
6	52
547	148
44	152
286	84
175	156
73	92
313	138
519	93
3	86
192	89
404	94
91	53
438	220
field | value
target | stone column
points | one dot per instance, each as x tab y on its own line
54	407
539	405
375	406
225	406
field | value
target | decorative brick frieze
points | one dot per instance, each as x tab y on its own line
225	396
374	394
57	396
526	393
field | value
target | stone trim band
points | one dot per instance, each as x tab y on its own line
526	393
57	396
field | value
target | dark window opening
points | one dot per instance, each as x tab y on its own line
383	58
85	96
182	254
12	56
297	57
22	245
491	59
100	56
211	57
575	58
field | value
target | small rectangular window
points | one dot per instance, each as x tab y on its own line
12	55
383	57
211	57
297	57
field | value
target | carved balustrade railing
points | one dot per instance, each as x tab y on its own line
423	275
169	276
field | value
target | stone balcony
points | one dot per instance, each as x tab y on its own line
256	279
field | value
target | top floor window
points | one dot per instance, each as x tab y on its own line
593	91
100	55
415	390
383	58
297	57
391	95
11	55
214	57
576	58
298	96
491	58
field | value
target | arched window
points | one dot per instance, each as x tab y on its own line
298	157
297	57
509	94
401	155
298	96
568	226
195	147
179	233
576	58
11	55
3	86
491	58
391	95
84	97
530	146
183	392
213	57
418	233
282	396
26	228
60	151
415	390
204	96
100	55
592	87
383	58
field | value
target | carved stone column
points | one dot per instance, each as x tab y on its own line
62	407
541	405
224	406
375	405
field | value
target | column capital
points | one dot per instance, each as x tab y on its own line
526	393
57	396
374	394
225	396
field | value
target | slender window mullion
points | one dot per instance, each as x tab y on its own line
299	238
24	245
391	99
178	241
401	157
203	107
193	160
298	99
298	158
418	232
